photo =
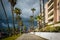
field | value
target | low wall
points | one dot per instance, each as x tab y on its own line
47	35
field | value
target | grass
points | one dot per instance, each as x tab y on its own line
14	37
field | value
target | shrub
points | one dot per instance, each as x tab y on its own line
50	29
57	29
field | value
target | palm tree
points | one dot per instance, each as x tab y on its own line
13	3
5	15
20	23
33	9
17	11
31	22
18	18
24	28
40	6
39	19
43	14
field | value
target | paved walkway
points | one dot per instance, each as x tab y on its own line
29	37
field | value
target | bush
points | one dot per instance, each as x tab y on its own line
13	37
50	29
57	29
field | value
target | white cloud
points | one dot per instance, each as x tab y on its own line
26	5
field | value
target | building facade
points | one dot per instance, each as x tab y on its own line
52	9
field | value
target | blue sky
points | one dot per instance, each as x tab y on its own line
24	5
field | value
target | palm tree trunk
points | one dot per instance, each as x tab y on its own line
12	8
6	16
40	12
40	6
32	22
18	23
43	13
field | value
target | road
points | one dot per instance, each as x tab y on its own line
30	37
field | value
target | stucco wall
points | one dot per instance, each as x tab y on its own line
48	35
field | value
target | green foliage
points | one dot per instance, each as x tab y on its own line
12	37
24	27
18	18
38	18
50	29
20	23
31	19
17	11
57	29
33	9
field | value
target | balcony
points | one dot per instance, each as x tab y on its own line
50	22
51	5
50	2
50	8
51	11
51	17
50	14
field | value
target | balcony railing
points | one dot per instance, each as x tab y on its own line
51	11
50	8
50	2
51	18
51	5
50	22
50	14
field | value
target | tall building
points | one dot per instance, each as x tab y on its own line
52	9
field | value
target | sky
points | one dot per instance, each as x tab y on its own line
24	5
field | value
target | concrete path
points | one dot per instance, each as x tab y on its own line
29	37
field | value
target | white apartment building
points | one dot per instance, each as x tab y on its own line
52	11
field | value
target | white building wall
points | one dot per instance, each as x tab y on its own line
58	10
46	13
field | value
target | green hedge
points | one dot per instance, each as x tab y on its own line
50	29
